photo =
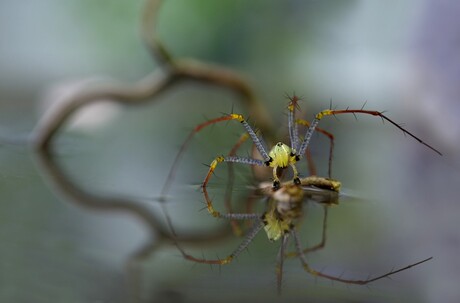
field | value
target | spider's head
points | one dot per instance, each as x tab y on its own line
281	155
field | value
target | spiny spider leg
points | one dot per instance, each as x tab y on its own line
183	147
258	225
330	112
331	146
340	279
233	159
260	145
293	131
294	135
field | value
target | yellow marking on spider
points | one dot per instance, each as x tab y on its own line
326	112
237	117
213	212
227	260
216	161
282	156
303	122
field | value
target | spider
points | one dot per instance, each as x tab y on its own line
282	155
285	199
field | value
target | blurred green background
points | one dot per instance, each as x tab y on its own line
401	204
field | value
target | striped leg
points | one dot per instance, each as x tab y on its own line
293	131
294	135
257	226
331	147
259	144
232	159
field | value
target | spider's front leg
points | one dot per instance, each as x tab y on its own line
256	227
232	159
259	144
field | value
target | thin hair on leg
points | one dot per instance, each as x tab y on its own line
330	112
258	225
292	125
316	273
232	159
260	145
183	148
331	146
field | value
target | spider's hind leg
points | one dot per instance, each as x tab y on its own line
316	273
258	225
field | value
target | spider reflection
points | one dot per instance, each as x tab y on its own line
280	220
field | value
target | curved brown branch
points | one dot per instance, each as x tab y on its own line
156	48
226	78
62	185
56	116
150	86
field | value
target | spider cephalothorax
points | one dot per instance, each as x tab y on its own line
282	156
